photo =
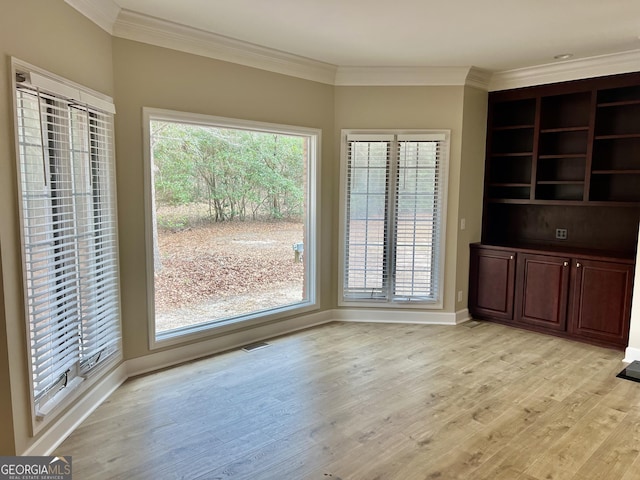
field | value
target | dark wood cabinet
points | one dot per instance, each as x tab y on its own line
493	280
542	287
601	300
561	158
582	296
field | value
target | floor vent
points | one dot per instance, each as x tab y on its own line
255	346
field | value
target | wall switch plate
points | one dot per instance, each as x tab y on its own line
561	233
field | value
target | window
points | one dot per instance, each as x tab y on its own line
394	192
68	215
231	222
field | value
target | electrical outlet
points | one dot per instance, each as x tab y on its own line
561	233
460	295
463	224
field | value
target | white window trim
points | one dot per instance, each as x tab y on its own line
312	241
439	304
78	385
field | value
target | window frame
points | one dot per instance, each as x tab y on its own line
312	226
81	102
443	173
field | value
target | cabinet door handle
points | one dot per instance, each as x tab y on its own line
511	257
566	264
578	264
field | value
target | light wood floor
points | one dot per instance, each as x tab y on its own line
374	402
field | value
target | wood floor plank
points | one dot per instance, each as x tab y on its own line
358	401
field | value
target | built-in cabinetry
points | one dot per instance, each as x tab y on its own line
576	294
562	156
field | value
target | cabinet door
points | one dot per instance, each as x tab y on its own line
492	278
542	286
601	301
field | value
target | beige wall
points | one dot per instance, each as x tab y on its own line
411	108
148	76
474	122
53	36
7	444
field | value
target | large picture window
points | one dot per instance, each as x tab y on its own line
394	192
69	231
231	221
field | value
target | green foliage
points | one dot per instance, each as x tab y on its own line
240	174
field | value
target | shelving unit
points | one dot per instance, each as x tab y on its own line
512	134
616	165
561	155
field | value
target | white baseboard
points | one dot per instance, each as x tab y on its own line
462	316
229	341
63	427
394	316
631	354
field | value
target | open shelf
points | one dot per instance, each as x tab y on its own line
615	188
564	142
512	140
567	147
560	182
509	191
565	111
513	113
618	104
612	97
568	169
618	136
563	155
564	129
514	127
621	120
560	191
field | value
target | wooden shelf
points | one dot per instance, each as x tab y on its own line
564	129
512	127
615	172
513	154
561	182
497	184
619	103
565	203
565	155
617	136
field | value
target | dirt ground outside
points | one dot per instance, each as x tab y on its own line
211	272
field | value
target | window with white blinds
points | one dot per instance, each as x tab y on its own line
394	193
68	212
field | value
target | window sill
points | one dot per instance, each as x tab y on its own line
223	327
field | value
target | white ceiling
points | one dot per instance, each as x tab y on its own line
495	35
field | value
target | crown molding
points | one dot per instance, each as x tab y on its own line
479	78
142	28
405	76
101	12
597	66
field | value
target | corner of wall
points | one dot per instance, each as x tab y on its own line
474	121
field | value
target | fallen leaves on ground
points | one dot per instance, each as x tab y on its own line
226	259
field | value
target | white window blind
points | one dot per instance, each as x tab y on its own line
66	167
394	191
